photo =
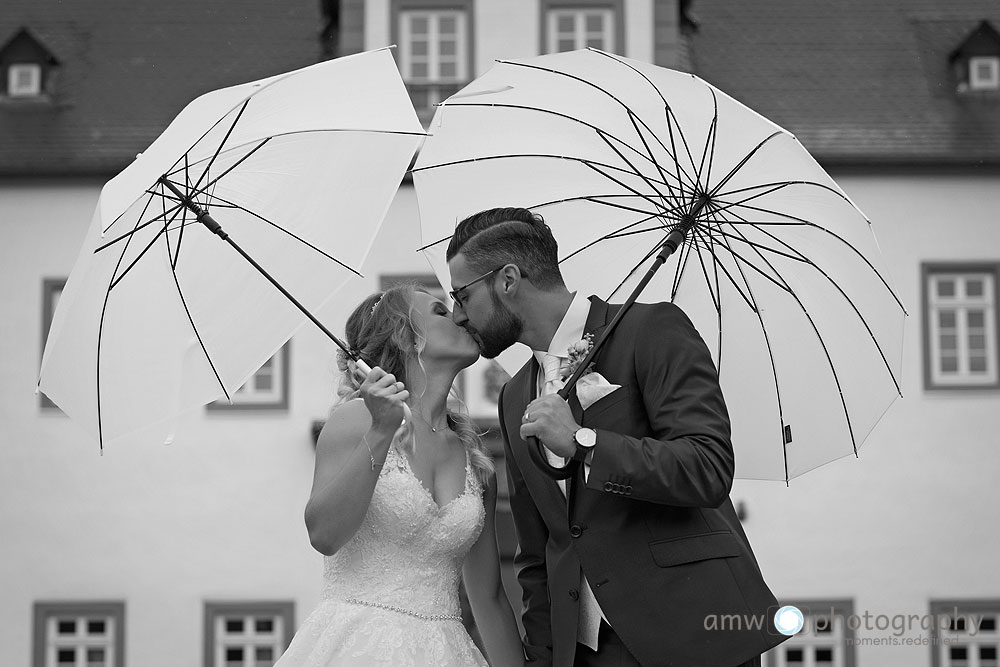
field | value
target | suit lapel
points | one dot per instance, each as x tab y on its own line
527	392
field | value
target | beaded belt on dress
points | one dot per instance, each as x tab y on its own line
400	610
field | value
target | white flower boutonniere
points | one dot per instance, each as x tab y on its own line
592	386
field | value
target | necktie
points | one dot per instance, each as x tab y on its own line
590	611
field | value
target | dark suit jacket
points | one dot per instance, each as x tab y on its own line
653	527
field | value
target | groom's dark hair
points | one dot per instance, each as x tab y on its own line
499	236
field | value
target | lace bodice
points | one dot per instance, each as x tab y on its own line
408	552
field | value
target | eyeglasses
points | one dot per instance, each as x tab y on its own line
454	294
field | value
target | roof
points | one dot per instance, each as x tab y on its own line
858	82
127	67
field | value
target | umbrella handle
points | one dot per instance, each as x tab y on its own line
537	452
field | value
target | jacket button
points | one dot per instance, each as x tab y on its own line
608	487
575	531
628	490
617	488
574	594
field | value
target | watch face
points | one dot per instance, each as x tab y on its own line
586	437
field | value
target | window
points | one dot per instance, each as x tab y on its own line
567	26
826	639
965	634
435	54
80	634
984	73
267	389
51	291
247	634
24	80
960	326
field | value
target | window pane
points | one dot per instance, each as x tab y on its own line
234	625
418	70
988	624
419	98
263	382
822	625
418	25
447	47
594	23
448	25
946	319
565	23
949	365
977	343
234	656
264	656
946	287
977	364
96	657
66	656
794	656
974	287
595	42
824	656
949	342
96	627
448	70
418	47
264	625
565	45
987	653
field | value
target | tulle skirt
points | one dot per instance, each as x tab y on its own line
344	634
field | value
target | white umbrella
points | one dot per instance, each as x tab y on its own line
777	268
159	315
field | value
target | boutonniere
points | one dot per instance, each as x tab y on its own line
575	355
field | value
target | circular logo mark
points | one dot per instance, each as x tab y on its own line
789	620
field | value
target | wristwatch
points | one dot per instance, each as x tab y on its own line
585	439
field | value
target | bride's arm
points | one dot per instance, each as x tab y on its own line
484	586
344	478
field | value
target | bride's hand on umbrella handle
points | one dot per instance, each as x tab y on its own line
385	399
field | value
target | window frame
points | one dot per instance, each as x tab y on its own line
46	610
616	7
975	82
215	610
844	608
17	92
397	10
945	607
283	375
931	269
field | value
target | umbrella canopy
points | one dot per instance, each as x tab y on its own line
779	270
158	314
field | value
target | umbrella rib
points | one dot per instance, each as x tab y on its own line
717	293
618	233
289	233
826	351
218	149
138	227
527	108
770	352
578	80
635	170
806	223
649	151
697	185
710	142
633	270
836	286
163	230
739	165
190	317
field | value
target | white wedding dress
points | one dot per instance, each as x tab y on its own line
390	595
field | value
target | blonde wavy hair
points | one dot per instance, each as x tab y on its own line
381	330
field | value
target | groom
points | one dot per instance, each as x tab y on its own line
636	558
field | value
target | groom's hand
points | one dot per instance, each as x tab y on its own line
550	420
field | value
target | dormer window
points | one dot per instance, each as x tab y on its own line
24	80
26	68
976	61
984	73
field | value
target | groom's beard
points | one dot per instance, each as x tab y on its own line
501	331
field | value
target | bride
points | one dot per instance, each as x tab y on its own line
401	508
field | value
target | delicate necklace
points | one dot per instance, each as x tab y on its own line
434	429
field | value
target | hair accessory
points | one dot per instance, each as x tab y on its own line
377	303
